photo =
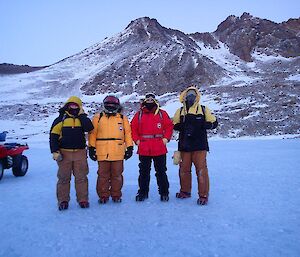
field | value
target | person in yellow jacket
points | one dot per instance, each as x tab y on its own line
192	120
110	143
68	147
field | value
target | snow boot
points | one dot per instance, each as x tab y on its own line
141	197
117	199
183	195
84	204
103	200
63	206
164	198
203	200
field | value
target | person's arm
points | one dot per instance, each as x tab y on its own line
211	121
86	123
168	126
93	133
127	128
176	121
55	133
135	128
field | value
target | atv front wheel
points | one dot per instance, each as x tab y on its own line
20	165
1	169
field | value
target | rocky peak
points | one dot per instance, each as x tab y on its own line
246	34
293	25
146	28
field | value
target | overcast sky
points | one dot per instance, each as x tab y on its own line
38	32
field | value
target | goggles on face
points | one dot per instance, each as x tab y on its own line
149	98
73	106
111	100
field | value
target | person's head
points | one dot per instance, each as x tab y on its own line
73	105
73	108
149	101
111	104
190	97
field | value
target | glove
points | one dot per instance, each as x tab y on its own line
92	153
128	152
165	141
57	156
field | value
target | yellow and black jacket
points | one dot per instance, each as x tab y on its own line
68	132
192	124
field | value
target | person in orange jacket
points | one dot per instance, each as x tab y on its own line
152	129
110	143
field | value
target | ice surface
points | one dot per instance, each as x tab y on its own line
253	208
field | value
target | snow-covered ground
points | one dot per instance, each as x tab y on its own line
254	208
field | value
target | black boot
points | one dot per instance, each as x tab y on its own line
117	199
140	197
84	204
164	198
63	206
103	200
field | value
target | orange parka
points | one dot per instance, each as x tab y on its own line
111	136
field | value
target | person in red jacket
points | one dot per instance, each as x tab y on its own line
152	129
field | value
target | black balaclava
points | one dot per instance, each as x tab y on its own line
150	106
190	98
73	111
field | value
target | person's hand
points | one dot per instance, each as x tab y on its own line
137	142
92	153
165	141
57	156
128	152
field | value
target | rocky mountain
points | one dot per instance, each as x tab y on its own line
246	34
247	70
9	68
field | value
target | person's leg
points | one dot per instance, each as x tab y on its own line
144	176
117	168
64	178
103	180
185	175
80	171
199	159
160	166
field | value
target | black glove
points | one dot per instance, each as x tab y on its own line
178	126
128	152
211	125
92	153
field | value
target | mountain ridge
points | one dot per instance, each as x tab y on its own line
239	68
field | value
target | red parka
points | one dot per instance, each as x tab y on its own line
150	127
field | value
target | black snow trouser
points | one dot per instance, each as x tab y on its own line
160	173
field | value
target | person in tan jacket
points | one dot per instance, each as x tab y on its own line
192	120
68	147
110	143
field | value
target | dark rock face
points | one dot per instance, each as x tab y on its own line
153	58
7	68
246	33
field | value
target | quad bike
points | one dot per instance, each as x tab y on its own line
11	156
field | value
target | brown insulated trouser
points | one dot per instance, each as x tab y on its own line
110	179
185	172
73	162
